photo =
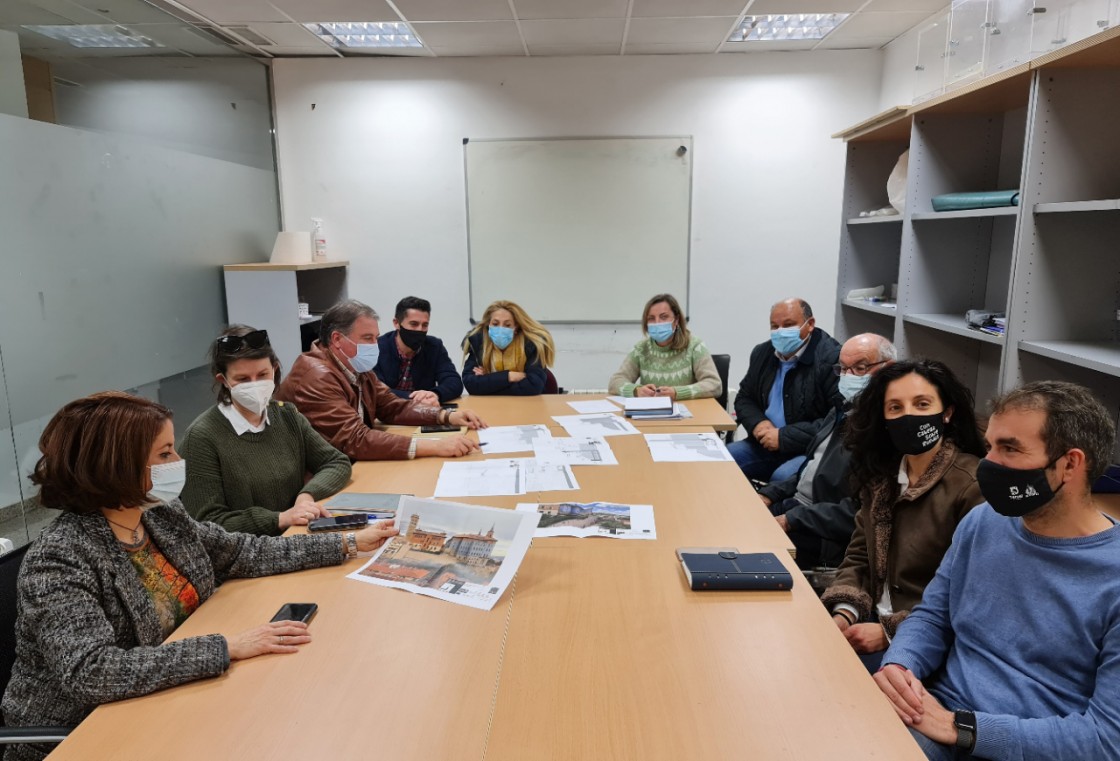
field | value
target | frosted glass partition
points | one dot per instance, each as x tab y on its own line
112	272
1009	34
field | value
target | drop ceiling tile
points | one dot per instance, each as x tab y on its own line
769	7
769	46
669	48
928	7
16	12
856	43
676	30
572	50
459	51
237	11
570	9
468	33
655	8
290	52
386	52
287	35
573	32
337	10
127	11
184	38
454	10
867	25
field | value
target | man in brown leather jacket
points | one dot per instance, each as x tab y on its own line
335	388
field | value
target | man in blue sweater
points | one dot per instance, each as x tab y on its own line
413	364
1018	635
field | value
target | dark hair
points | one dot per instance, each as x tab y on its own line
682	337
220	359
412	302
341	318
874	456
95	451
1075	419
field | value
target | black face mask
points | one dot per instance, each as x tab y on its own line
916	434
1014	492
413	339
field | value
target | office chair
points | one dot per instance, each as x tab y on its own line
723	367
9	573
550	384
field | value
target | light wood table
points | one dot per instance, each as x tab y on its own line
524	410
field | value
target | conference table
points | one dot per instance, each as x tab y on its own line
598	650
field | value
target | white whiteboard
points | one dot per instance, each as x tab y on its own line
578	230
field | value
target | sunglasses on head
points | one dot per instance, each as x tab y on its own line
257	339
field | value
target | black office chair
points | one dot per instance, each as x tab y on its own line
550	384
723	367
9	573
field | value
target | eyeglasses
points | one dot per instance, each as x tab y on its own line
863	368
258	339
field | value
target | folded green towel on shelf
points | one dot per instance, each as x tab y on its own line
988	199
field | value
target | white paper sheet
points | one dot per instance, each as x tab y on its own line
595	425
592	407
463	554
547	476
583	519
687	447
619	400
506	439
649	403
480	478
582	450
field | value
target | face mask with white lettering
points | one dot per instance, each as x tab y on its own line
916	434
1014	492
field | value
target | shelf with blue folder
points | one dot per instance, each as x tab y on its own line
998	211
952	323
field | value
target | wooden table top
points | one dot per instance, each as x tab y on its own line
523	410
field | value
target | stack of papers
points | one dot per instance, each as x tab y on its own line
649	407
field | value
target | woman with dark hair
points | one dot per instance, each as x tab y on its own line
915	448
124	565
669	360
248	457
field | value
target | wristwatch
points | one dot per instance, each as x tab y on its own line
965	722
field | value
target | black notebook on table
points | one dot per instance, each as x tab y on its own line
719	568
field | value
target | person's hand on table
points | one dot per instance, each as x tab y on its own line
841	621
647	390
426	398
783	522
469	418
375	535
273	637
866	638
766	500
303	512
668	391
908	697
455	446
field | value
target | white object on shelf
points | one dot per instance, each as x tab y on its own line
318	240
291	248
866	293
304	309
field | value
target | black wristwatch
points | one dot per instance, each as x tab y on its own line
965	722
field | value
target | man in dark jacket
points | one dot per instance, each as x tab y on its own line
815	507
413	364
787	395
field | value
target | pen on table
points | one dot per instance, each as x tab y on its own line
379	516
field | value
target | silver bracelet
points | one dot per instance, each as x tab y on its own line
351	543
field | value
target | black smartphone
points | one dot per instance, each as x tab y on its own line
338	523
296	611
439	429
449	406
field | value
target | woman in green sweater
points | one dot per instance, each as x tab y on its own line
670	361
248	457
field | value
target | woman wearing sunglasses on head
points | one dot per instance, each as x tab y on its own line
123	565
249	457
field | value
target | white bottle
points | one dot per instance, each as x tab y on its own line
318	240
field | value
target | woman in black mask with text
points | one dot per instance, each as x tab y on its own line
915	448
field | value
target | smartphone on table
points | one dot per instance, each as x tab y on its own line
338	522
296	611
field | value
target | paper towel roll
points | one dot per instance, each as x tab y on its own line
291	248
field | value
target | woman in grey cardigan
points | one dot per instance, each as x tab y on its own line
124	565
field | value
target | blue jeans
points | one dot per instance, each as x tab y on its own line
761	464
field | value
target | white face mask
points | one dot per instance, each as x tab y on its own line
168	479
254	395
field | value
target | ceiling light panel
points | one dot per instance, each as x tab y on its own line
787	26
347	34
95	35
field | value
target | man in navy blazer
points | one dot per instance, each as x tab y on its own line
414	364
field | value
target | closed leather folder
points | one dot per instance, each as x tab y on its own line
725	568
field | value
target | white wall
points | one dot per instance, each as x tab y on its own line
13	93
375	147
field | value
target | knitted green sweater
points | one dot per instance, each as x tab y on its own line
244	482
691	372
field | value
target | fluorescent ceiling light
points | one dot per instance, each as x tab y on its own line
96	36
389	34
787	26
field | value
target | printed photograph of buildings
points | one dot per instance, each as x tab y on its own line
606	516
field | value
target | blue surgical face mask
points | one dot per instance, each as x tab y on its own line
786	340
366	358
502	337
851	385
661	332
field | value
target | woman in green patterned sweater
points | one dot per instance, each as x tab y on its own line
249	458
670	361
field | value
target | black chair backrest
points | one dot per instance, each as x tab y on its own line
723	367
9	573
550	384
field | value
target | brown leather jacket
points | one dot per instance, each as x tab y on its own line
900	539
329	396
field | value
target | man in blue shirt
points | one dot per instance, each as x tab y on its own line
413	364
1018	635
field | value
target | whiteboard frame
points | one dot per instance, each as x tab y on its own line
688	243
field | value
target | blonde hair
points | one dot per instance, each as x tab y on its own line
513	358
681	336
